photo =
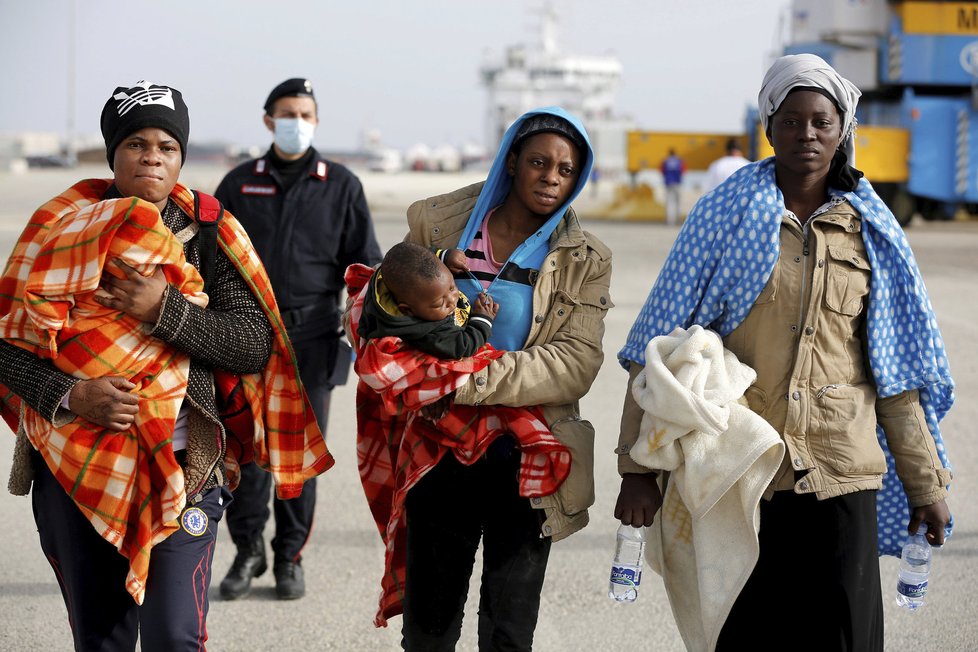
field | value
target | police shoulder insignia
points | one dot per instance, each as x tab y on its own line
194	521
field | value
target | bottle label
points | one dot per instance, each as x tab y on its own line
912	590
626	576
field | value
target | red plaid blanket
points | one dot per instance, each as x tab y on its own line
396	447
129	484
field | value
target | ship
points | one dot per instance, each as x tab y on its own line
531	75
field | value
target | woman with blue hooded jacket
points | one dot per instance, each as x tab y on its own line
526	249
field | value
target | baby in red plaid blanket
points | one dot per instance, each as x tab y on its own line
413	296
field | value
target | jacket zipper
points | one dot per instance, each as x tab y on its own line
214	462
804	277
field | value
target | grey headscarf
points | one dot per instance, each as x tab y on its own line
795	70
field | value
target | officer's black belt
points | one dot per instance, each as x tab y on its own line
297	316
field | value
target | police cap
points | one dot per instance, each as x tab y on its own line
295	87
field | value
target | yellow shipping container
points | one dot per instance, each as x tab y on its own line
647	149
939	17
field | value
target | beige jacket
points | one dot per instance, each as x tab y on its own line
563	352
805	338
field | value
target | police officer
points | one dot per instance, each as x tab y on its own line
308	219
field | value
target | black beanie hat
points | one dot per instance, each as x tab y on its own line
295	87
547	122
144	105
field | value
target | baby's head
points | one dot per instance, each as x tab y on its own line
420	283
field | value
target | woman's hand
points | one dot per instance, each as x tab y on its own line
136	295
435	411
936	516
107	402
638	500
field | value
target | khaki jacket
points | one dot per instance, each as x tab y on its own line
563	352
805	338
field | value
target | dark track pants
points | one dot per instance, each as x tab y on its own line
92	575
448	511
816	585
293	518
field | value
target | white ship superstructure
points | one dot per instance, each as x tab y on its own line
540	75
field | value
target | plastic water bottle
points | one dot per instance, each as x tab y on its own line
914	570
626	570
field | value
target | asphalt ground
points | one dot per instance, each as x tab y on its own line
344	558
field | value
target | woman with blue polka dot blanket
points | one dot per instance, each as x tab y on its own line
806	275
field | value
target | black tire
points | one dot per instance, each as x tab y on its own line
927	208
903	207
935	211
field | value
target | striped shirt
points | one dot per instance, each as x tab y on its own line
479	254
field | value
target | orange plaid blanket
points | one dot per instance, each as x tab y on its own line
129	484
396	447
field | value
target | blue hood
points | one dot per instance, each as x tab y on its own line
498	183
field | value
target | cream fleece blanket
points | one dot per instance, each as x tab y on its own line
720	456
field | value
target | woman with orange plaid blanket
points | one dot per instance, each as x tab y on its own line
126	434
527	250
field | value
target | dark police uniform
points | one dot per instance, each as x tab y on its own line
307	230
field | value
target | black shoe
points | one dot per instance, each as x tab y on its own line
290	583
248	563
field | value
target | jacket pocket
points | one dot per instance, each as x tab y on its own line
847	280
581	314
756	399
561	308
576	493
587	319
847	431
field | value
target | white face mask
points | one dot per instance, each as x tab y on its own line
293	135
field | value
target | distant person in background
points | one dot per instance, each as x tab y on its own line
724	166
309	220
673	169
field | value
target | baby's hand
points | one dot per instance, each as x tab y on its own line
485	305
456	262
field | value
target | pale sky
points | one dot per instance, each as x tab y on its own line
408	68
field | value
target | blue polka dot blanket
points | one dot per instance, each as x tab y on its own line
722	259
